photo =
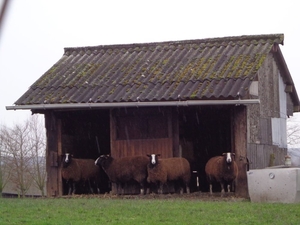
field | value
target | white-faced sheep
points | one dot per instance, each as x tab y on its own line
79	170
160	171
123	170
222	169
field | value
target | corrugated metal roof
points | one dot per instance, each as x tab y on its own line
217	68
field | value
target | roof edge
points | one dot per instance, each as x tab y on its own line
288	77
133	104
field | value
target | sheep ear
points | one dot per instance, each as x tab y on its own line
148	155
224	154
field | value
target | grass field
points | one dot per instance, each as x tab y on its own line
138	210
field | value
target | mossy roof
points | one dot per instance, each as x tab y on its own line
214	68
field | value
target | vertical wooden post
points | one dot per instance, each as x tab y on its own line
240	148
51	155
175	133
113	137
113	134
59	153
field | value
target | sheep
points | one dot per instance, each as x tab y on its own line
122	170
160	171
79	170
222	169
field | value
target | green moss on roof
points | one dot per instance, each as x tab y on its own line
173	66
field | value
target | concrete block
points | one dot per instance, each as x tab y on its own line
274	185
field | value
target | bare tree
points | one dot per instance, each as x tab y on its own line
5	170
38	150
17	151
24	148
293	132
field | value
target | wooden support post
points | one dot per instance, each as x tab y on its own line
240	148
51	154
59	153
52	157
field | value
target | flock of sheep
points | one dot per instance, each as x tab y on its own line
146	171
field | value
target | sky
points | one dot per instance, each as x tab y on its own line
35	32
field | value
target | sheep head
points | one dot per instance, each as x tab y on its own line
104	161
229	157
153	159
67	159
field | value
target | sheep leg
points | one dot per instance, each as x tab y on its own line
222	187
70	187
148	190
228	187
90	187
145	187
97	186
233	186
187	188
118	189
160	189
142	188
181	190
74	188
123	188
210	189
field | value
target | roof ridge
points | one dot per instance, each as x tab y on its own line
278	38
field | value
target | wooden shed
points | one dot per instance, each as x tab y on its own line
190	98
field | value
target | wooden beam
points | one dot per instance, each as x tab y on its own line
240	148
51	155
59	153
288	88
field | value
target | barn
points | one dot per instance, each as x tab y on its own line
189	98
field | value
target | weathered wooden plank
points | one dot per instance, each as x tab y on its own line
240	144
51	155
175	134
251	154
262	156
59	153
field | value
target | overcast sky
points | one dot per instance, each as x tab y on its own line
35	32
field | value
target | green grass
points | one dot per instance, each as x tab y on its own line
144	211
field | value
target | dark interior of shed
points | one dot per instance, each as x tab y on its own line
86	135
205	131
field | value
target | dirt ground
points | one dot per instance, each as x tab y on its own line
203	196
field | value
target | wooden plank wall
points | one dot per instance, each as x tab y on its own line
167	146
260	152
260	156
122	148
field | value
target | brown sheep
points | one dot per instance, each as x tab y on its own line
122	170
222	169
79	170
169	169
